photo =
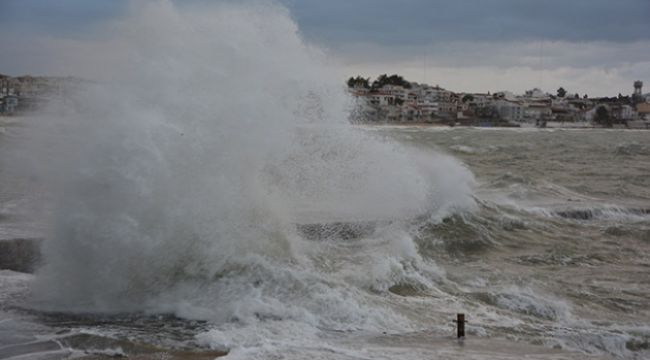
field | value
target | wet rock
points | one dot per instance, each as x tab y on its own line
100	347
22	255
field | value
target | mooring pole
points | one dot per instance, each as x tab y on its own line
460	325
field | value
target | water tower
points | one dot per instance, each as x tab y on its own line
638	88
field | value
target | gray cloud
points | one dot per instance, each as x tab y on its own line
599	68
598	46
70	18
595	46
416	22
532	54
386	22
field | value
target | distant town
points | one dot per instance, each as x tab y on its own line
392	99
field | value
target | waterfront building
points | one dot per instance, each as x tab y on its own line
510	110
643	109
537	111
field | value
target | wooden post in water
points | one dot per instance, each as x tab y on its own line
460	325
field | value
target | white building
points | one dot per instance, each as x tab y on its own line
382	99
397	91
537	111
481	100
510	110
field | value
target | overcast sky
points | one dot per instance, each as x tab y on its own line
594	46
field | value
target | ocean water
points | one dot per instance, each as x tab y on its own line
210	193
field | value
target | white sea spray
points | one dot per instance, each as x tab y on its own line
179	179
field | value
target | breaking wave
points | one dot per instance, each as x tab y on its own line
605	213
215	176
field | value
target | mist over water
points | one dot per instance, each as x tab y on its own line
179	183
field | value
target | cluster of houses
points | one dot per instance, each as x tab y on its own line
25	93
394	100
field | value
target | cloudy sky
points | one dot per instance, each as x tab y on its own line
597	47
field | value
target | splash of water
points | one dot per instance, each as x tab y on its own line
180	179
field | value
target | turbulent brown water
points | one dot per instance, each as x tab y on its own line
561	240
554	256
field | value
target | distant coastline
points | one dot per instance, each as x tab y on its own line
395	100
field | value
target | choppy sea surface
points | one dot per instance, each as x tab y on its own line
549	260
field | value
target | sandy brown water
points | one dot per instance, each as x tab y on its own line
553	264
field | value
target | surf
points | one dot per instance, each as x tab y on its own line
180	181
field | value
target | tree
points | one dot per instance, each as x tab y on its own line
358	81
390	80
577	96
468	98
561	92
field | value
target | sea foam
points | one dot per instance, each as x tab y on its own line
179	179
